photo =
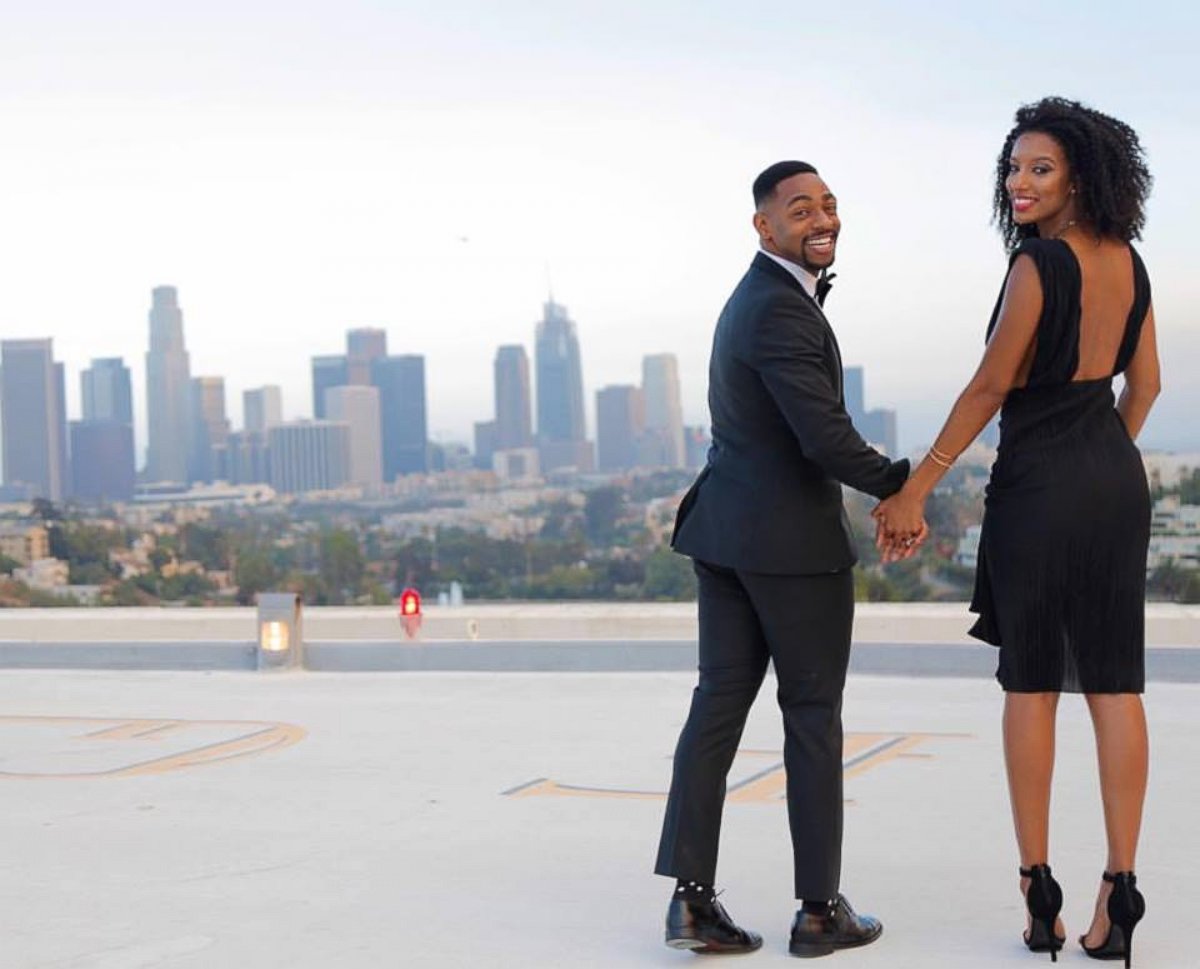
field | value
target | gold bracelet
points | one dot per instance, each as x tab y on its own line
933	456
942	454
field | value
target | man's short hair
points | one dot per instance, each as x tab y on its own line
764	185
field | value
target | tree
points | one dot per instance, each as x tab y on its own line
341	564
254	573
669	576
8	564
601	510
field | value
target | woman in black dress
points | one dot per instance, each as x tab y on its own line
1060	586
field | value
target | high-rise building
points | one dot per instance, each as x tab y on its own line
308	455
401	383
210	429
854	390
328	371
262	407
620	423
363	345
33	419
358	407
168	390
247	458
696	441
102	461
562	437
878	427
514	402
664	410
485	444
107	391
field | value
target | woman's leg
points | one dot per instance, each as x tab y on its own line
1123	750
1029	757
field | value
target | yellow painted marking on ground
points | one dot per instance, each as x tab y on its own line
135	729
246	738
861	752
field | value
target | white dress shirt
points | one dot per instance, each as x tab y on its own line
803	276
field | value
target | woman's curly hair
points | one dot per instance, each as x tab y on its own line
1107	164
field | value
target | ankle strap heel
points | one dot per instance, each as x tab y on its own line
1044	900
1126	906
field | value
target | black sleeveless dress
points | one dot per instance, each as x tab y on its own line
1060	584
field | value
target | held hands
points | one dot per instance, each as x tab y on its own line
900	526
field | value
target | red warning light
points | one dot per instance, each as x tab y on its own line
410	612
410	602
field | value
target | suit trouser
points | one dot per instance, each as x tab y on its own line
802	624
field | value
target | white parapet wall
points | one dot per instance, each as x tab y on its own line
1166	624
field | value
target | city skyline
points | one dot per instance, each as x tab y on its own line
392	169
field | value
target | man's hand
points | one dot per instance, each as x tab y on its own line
900	526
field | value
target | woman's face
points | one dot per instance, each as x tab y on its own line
1039	179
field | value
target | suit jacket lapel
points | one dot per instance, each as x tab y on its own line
769	265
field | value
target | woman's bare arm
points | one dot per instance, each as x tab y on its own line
1142	380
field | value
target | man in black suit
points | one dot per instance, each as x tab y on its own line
771	546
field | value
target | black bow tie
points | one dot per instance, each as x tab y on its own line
824	285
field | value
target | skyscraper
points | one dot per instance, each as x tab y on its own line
401	383
514	420
102	462
107	391
102	448
620	424
262	407
210	429
562	438
877	427
168	390
308	455
33	419
327	371
664	410
358	408
363	345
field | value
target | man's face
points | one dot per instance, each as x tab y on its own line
800	222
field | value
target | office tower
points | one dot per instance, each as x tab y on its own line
696	441
247	457
878	427
107	391
327	372
262	407
33	419
308	455
102	461
363	346
514	402
664	410
620	424
854	390
562	439
168	390
485	444
210	429
402	412
358	407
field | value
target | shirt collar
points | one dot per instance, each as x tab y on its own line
806	279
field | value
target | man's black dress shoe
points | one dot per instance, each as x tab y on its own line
705	927
839	928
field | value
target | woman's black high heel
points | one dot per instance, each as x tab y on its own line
1126	906
1044	900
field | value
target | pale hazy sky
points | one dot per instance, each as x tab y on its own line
300	168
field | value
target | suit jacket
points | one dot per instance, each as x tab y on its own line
769	499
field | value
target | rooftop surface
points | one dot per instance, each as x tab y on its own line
307	820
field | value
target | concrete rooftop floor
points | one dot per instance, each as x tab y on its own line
494	820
